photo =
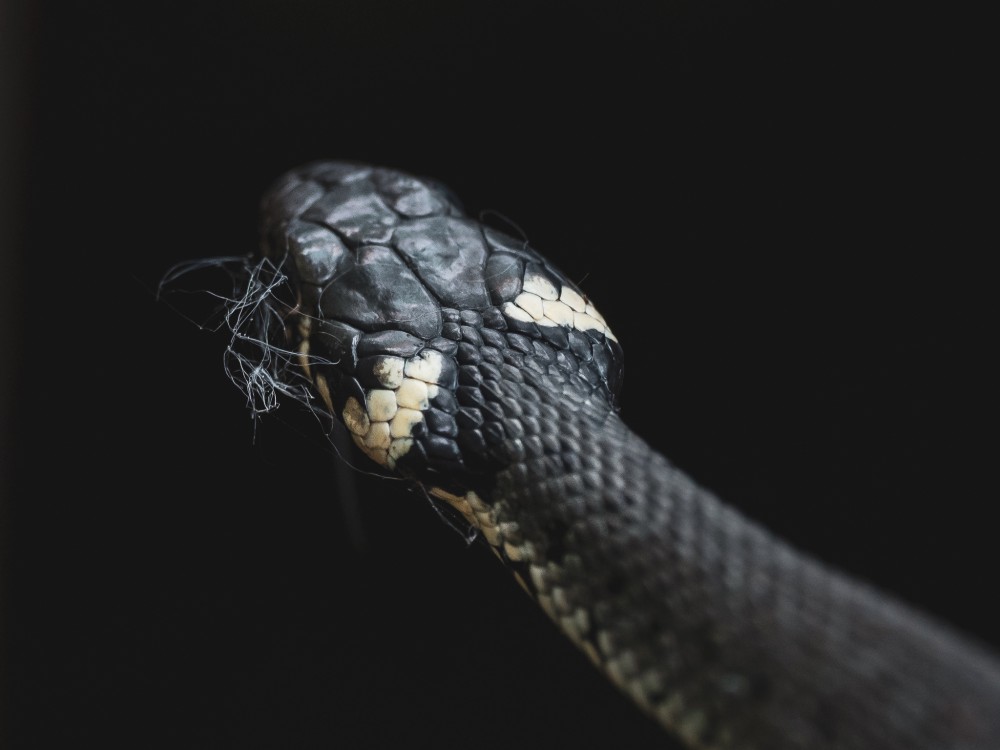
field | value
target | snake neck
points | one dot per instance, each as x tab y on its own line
726	635
459	357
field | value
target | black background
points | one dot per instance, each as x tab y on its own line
776	205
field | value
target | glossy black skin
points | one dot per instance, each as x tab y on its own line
385	264
727	635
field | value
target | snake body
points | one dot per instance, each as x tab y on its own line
460	358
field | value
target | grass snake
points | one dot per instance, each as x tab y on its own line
460	358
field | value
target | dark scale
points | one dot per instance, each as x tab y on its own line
448	255
580	345
555	335
468	354
520	343
514	358
511	407
550	444
443	345
470	396
565	362
493	411
530	409
471	335
445	400
492	389
524	327
592	377
473	445
469	419
556	371
316	252
494	434
441	423
471	318
532	397
494	319
532	443
334	343
503	277
601	361
536	364
513	427
492	338
492	355
515	452
541	382
439	447
490	371
543	351
510	374
469	375
532	425
390	341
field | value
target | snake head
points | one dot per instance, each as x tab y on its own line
438	341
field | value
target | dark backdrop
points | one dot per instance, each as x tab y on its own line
775	204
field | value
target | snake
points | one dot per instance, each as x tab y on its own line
457	357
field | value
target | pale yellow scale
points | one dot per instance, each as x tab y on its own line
541	303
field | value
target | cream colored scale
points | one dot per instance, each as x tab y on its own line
545	578
541	303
